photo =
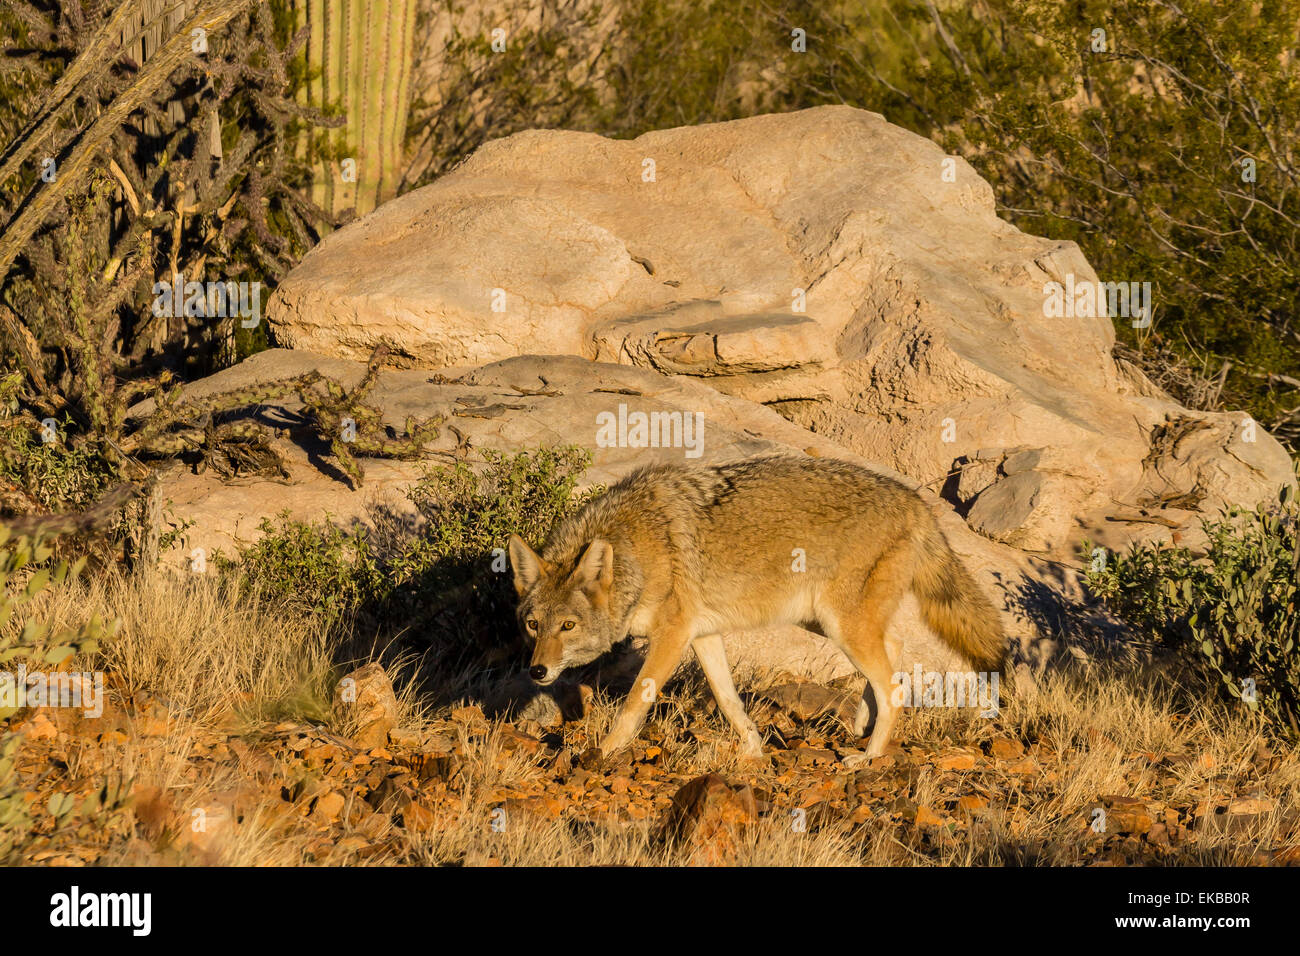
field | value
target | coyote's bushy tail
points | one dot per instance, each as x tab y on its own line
952	603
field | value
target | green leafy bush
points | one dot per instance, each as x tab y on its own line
445	576
55	474
455	575
1233	613
318	568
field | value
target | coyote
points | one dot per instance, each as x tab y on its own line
681	554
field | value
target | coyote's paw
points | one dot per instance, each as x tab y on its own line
882	747
608	757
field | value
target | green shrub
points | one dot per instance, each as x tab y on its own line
1233	614
454	576
56	474
317	568
445	577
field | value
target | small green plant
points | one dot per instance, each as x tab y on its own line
1233	613
317	568
55	474
470	513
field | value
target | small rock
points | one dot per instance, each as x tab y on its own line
960	760
512	740
975	476
408	739
710	816
904	807
39	726
1006	748
539	807
813	756
925	817
364	700
416	817
1025	460
805	701
972	804
328	806
1254	804
1158	835
1129	819
207	833
1121	800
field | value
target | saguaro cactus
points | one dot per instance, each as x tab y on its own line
359	57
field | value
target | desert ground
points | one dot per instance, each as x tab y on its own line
196	761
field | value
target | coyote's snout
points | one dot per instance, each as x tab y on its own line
682	554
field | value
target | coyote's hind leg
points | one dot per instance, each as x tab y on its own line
864	717
859	629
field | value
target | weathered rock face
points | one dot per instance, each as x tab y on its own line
532	401
824	263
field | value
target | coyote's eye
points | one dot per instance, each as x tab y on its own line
568	625
531	624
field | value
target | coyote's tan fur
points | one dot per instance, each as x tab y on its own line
682	554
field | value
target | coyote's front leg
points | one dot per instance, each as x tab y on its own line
667	644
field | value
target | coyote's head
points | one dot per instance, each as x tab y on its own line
563	611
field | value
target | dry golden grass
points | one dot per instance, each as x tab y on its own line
208	647
1092	720
229	668
198	644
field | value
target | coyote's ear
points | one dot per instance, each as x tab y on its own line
596	566
526	564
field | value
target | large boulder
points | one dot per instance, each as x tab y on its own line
824	263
